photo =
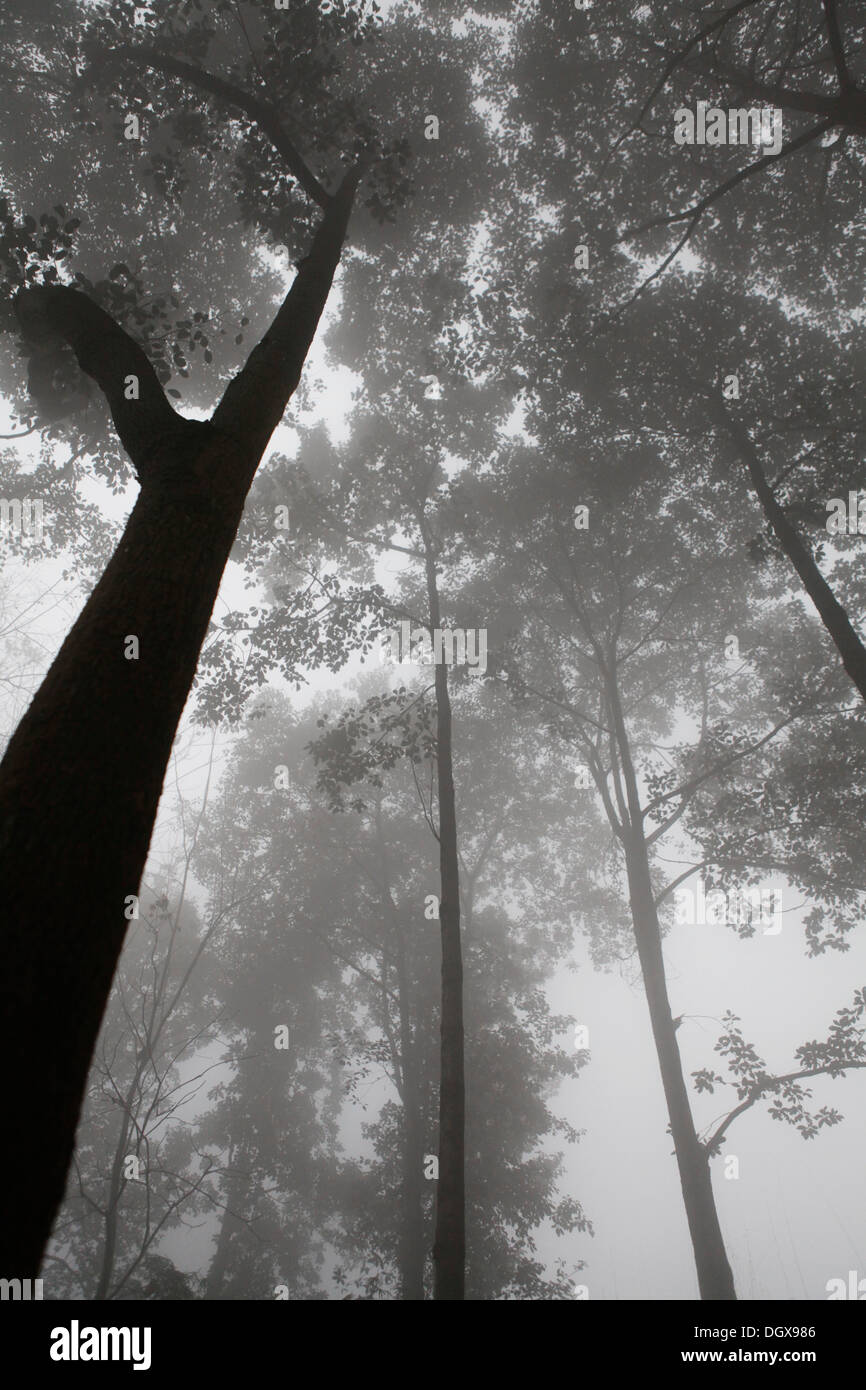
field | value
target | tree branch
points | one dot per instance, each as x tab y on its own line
260	112
21	433
771	1084
698	209
680	878
693	214
691	784
680	57
847	109
831	612
105	352
837	48
273	368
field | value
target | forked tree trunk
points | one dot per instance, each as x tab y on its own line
81	778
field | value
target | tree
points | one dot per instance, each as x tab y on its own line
130	1183
610	382
629	587
740	55
353	504
358	890
98	734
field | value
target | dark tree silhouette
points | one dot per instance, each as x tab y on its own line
81	778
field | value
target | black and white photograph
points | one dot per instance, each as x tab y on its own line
432	672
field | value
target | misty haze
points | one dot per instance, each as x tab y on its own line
433	790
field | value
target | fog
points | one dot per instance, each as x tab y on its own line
436	842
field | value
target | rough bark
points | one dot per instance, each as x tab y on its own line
81	778
449	1248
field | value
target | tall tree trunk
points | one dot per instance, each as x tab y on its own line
81	778
112	1208
715	1279
412	1251
449	1248
830	610
232	1221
